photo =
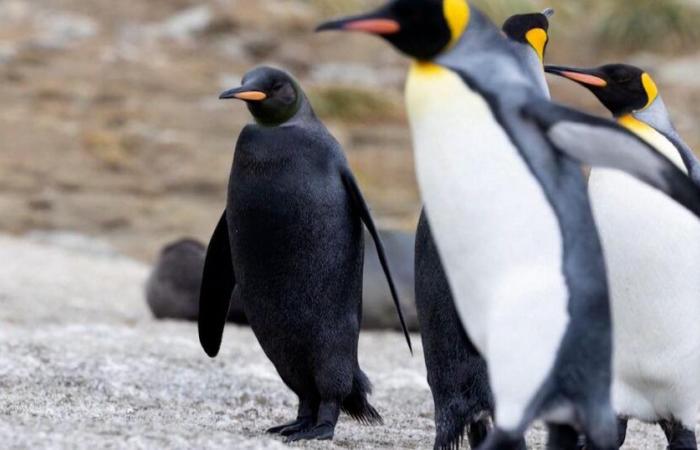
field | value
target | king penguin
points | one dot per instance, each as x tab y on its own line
498	166
653	251
457	374
289	248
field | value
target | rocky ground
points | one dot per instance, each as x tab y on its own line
83	365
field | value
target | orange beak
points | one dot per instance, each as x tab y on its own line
579	76
376	23
242	94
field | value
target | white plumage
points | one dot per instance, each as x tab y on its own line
652	248
498	236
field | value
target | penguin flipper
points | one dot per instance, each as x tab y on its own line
600	142
360	205
217	286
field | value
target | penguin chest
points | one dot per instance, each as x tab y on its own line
498	236
652	249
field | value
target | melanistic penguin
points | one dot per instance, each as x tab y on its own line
289	247
457	374
498	166
652	247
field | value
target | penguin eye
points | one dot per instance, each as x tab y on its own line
277	87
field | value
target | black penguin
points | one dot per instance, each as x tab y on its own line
172	289
289	246
457	374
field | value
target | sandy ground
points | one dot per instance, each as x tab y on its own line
82	365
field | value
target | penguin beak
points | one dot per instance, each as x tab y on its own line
548	13
378	23
589	78
245	93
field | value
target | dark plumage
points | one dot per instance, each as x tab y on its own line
289	247
172	288
457	374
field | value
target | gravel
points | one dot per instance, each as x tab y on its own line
83	365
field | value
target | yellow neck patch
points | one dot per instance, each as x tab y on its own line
457	15
651	89
537	38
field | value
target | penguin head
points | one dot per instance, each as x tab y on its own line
273	96
421	29
530	29
621	88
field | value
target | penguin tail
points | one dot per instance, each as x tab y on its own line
356	405
452	425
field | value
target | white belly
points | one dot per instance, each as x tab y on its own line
498	237
652	248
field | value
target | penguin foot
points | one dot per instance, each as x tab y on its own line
301	425
303	422
322	432
679	437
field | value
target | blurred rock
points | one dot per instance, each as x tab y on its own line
56	276
358	75
675	72
184	25
74	242
58	29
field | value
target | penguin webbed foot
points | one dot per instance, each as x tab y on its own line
321	432
295	426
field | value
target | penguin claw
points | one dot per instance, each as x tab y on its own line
319	433
298	427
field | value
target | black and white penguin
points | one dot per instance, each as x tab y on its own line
457	374
289	247
652	248
499	170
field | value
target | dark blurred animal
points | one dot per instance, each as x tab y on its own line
172	288
172	291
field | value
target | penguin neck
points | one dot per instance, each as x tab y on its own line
656	116
304	115
485	56
535	65
653	125
299	112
